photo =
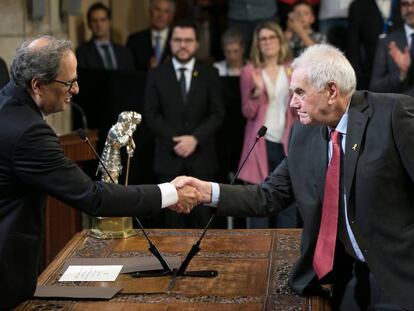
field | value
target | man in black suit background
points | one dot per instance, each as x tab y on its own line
32	166
184	109
150	47
363	36
350	169
393	67
100	52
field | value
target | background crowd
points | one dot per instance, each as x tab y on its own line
206	89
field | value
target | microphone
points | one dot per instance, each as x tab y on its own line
82	112
152	248
196	247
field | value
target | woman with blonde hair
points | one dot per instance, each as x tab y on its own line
264	85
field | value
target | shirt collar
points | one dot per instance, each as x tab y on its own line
343	123
162	33
189	66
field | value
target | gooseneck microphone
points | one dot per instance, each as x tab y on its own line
196	247
152	248
82	112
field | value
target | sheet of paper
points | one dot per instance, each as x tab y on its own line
91	273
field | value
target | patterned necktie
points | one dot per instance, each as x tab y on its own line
108	59
323	257
157	48
183	84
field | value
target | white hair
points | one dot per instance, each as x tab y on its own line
325	63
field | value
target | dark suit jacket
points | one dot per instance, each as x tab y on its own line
385	73
379	181
140	44
4	73
32	165
167	116
88	56
363	36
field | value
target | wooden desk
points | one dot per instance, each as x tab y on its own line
253	270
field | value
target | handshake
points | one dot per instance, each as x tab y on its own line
191	192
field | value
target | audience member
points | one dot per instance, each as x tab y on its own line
368	19
232	43
247	14
184	109
299	33
391	69
4	73
350	169
32	166
150	47
264	86
333	21
285	7
100	52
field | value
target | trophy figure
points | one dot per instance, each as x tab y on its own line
119	135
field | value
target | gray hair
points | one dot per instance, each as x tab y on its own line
325	63
38	62
232	35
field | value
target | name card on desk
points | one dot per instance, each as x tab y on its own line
99	273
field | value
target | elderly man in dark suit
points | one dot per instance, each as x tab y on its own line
150	47
32	165
100	52
184	109
350	168
393	68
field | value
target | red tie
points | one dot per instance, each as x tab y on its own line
323	257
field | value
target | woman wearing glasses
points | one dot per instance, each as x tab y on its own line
264	85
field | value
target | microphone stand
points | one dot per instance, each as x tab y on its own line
196	247
152	248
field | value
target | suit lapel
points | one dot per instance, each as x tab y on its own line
320	151
171	76
357	121
194	84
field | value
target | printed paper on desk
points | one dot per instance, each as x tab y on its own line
91	273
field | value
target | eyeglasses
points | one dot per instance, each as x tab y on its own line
267	39
407	4
68	84
183	40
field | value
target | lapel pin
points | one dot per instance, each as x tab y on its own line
354	147
195	73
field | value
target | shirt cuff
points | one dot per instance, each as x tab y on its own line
215	194
169	195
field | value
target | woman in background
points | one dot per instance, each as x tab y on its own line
233	49
264	85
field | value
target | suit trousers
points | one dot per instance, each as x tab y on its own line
355	287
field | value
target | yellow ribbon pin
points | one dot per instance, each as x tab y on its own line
354	147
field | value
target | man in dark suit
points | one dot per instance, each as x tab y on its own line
184	109
358	210
363	36
100	52
32	165
150	47
392	68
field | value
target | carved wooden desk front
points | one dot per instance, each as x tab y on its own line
253	270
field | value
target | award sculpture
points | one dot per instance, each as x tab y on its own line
119	135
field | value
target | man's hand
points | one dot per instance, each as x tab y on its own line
401	59
185	145
188	197
203	187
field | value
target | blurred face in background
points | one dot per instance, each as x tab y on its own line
304	14
269	43
233	52
407	12
100	24
183	43
161	14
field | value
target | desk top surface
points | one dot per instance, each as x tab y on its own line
253	266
